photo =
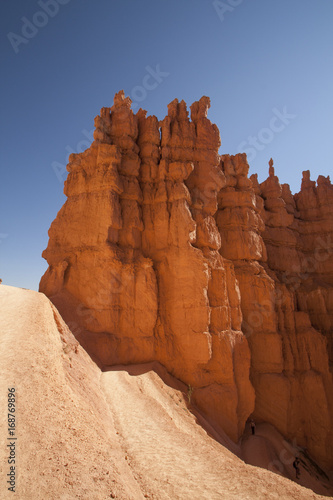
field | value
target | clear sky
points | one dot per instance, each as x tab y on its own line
266	65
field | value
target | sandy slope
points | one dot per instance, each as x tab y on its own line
118	434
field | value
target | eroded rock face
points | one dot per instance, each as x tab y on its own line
289	353
298	237
167	251
134	262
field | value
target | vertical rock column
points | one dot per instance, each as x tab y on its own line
183	343
240	225
193	336
107	289
315	296
286	395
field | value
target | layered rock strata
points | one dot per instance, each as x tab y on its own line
167	251
289	357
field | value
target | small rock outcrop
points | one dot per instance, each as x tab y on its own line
167	251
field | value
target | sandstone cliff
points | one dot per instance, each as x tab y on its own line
167	251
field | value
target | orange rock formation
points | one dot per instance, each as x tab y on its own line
167	251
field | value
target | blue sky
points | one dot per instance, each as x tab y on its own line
62	60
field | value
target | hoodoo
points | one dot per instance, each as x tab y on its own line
167	251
